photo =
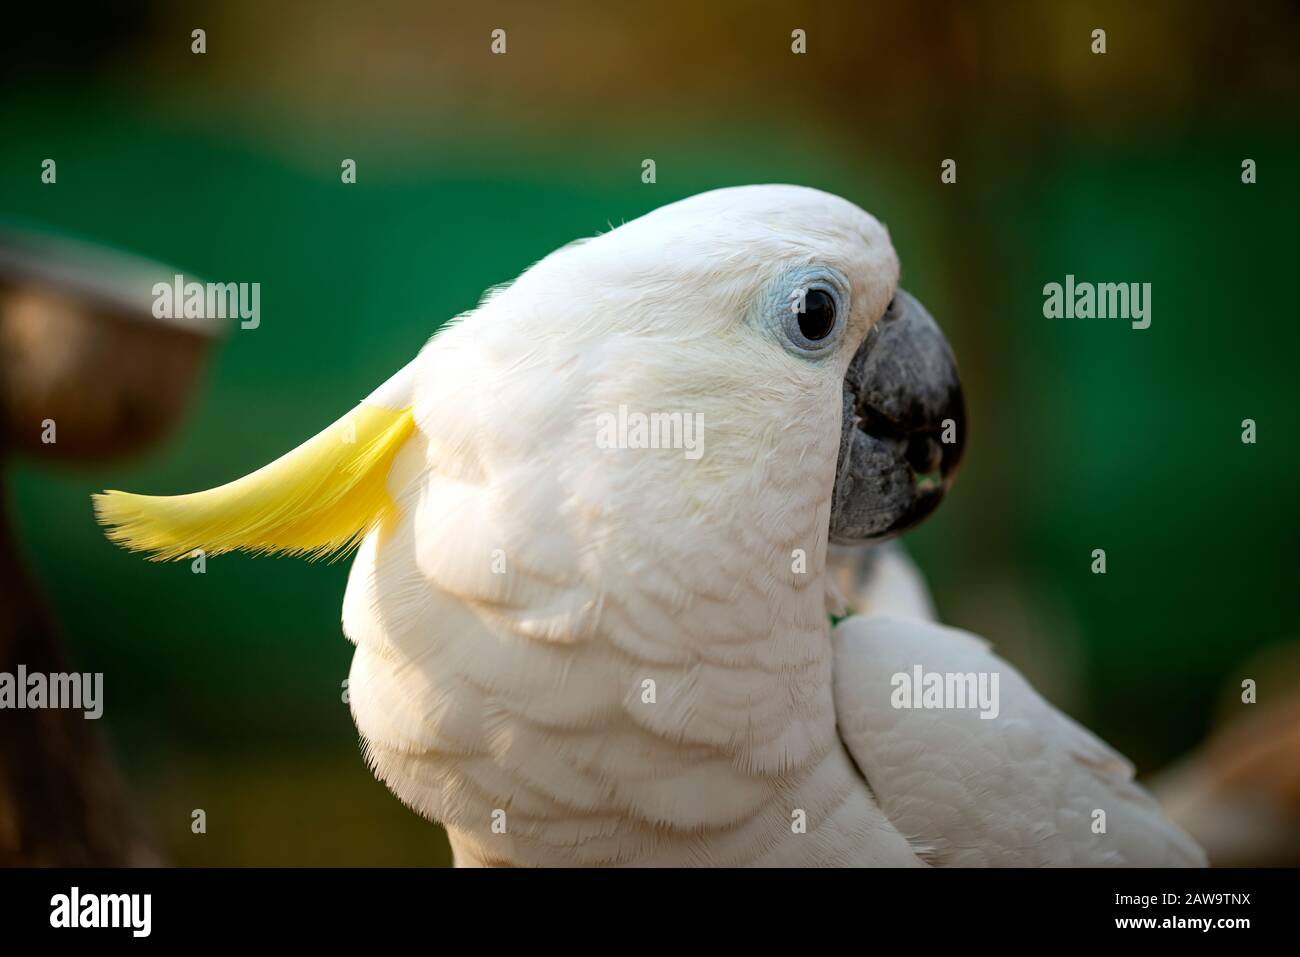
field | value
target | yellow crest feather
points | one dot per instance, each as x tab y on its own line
321	498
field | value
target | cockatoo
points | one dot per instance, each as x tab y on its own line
585	641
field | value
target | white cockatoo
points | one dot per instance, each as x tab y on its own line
590	597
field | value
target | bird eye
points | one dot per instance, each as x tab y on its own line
817	317
810	307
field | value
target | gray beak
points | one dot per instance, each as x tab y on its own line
904	428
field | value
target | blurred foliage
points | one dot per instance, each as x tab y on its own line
224	689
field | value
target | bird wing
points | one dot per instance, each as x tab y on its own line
1023	788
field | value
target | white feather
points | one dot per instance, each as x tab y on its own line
1027	788
508	623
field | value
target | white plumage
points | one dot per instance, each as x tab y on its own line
1030	788
507	623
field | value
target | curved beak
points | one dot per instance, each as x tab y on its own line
904	428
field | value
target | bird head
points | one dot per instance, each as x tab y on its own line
773	316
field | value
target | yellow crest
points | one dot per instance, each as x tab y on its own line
320	499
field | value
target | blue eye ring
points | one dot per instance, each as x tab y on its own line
809	308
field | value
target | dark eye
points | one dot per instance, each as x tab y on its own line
809	307
818	316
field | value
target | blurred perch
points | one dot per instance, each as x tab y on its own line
1239	793
79	345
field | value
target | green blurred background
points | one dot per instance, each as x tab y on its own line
224	689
